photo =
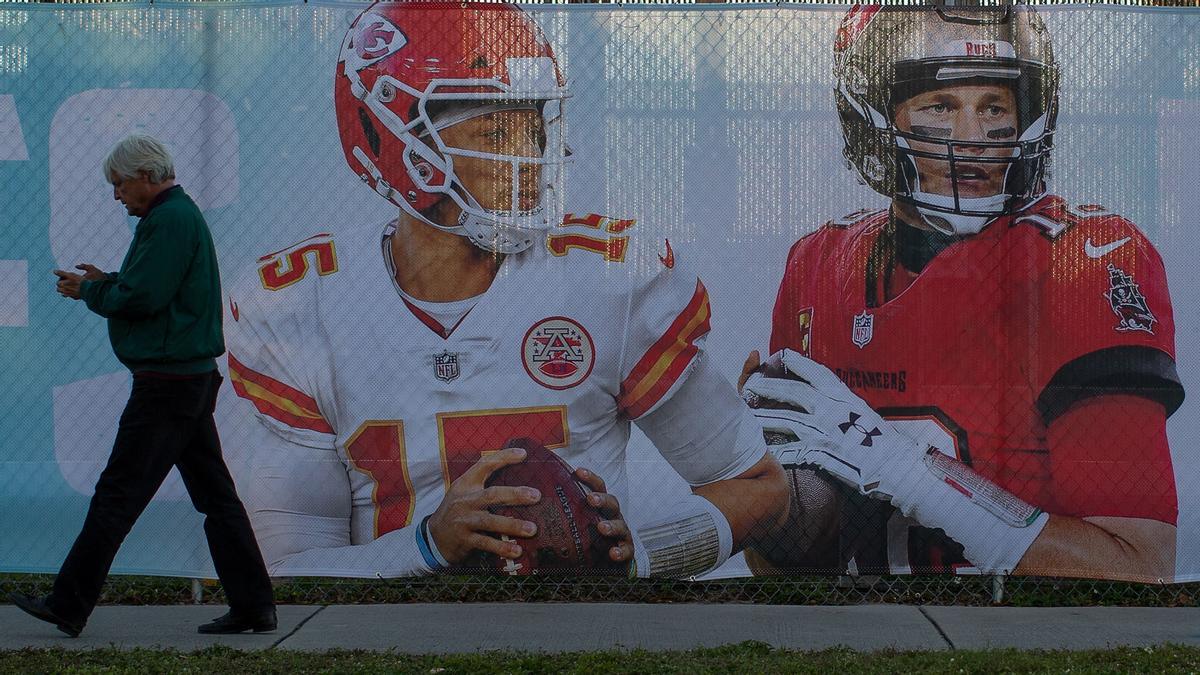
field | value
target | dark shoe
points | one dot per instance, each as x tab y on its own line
37	608
262	622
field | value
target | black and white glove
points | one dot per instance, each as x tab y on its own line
811	418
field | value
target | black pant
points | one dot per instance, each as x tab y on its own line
167	422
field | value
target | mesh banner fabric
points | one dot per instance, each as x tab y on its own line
443	229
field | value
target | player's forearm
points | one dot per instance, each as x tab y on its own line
754	502
395	554
298	543
808	537
1132	549
812	418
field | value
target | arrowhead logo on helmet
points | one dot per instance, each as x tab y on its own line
372	39
379	38
406	68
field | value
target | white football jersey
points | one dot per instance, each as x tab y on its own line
575	339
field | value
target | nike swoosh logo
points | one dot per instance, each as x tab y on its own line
1094	251
668	260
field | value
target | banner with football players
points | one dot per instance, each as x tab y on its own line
672	291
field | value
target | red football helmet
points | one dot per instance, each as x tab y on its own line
404	63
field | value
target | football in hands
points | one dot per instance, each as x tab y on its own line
567	540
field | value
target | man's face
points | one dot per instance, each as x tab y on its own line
518	133
135	193
985	113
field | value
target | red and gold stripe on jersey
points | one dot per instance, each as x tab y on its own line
276	399
666	360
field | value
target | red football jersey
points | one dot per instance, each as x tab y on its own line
998	336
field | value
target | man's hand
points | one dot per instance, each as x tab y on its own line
824	424
462	523
69	282
810	417
615	526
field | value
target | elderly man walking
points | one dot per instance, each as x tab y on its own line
164	321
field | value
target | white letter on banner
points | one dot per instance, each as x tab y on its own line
12	141
85	426
14	302
88	225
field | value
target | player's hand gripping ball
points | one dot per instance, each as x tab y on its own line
567	540
807	540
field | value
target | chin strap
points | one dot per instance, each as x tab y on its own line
953	224
948	222
491	236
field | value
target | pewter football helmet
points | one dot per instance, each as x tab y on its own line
885	55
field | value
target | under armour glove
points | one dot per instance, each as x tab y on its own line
811	418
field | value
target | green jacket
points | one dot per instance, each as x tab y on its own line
164	305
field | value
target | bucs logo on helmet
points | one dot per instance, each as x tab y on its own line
408	70
853	24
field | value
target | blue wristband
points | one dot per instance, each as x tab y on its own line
428	550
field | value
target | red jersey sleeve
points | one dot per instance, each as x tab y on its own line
667	325
1109	457
1104	319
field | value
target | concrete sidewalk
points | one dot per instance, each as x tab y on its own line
457	628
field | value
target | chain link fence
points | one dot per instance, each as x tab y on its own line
1097	3
745	88
779	590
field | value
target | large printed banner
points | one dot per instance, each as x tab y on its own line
445	229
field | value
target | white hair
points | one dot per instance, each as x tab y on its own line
137	153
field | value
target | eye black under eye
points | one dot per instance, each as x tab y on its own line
933	132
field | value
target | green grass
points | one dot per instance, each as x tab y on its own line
745	657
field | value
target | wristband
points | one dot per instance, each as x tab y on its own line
428	548
694	538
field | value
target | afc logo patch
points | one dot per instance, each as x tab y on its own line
558	353
804	320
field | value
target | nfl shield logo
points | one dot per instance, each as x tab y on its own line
446	366
864	329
